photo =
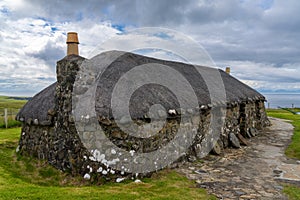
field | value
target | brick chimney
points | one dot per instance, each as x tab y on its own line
72	41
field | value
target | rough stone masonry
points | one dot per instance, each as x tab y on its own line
49	131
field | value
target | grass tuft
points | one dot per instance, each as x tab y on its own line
292	191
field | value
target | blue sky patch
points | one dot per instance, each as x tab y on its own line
53	29
163	35
5	11
119	27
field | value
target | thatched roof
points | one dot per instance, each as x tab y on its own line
147	95
38	106
150	94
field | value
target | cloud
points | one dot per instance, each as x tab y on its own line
30	48
49	54
258	38
284	16
266	77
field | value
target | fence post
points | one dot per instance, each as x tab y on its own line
5	117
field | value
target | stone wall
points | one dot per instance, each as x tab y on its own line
37	140
60	144
69	141
261	115
253	118
232	124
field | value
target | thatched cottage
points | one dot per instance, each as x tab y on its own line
50	130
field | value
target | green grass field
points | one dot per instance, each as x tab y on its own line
28	178
13	106
293	150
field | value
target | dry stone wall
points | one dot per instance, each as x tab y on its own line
59	143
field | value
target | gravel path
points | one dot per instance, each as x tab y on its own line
251	172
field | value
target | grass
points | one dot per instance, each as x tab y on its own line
292	191
9	102
293	150
13	106
28	178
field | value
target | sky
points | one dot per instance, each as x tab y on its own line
258	39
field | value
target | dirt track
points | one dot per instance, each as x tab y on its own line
251	172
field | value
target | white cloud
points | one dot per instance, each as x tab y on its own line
30	48
258	38
266	77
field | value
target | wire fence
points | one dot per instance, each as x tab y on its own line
7	117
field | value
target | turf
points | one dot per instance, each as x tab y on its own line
13	106
28	178
293	150
292	191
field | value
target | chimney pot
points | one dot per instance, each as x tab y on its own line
72	41
227	70
72	37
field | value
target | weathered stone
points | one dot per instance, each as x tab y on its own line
29	121
190	111
248	134
86	135
239	193
195	120
253	132
45	123
203	107
192	158
234	140
125	120
59	142
90	127
61	155
116	134
162	113
51	112
217	149
173	112
35	121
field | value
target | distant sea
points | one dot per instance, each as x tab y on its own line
282	100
